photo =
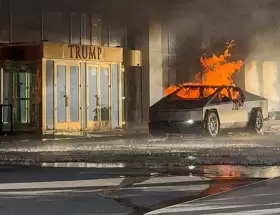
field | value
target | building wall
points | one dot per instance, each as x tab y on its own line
78	22
92	22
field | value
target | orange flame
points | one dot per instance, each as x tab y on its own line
217	71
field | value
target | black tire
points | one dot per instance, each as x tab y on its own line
212	124
256	122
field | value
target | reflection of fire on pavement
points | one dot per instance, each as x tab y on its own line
218	186
224	178
227	177
217	71
222	172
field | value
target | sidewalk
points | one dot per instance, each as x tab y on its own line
138	149
93	136
272	126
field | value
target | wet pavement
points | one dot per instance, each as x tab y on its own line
141	150
150	152
79	191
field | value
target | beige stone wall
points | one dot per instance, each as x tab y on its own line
263	78
155	59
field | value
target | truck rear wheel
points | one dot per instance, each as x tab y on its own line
212	124
256	121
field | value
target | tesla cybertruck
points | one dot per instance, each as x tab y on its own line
208	110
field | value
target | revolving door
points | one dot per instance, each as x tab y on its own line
18	81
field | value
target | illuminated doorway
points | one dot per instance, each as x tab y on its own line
67	105
19	86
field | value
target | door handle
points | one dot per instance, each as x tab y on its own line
66	100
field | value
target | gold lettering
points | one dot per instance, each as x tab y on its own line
78	55
71	47
99	52
85	52
92	54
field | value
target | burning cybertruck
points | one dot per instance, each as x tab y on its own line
208	110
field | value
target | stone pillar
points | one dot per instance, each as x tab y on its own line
155	59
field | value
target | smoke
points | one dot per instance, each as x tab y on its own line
227	19
204	26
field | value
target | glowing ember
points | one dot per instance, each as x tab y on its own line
217	71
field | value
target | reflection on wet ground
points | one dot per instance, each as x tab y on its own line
223	178
132	191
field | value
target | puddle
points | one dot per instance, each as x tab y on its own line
236	172
178	185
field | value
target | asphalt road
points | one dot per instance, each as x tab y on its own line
78	191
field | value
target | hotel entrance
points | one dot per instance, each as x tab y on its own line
67	105
82	94
53	87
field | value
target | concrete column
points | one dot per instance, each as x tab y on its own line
155	59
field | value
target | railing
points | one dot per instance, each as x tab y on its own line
6	118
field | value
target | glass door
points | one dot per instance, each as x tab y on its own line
67	97
104	96
92	97
18	83
74	99
22	80
115	103
98	97
61	99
